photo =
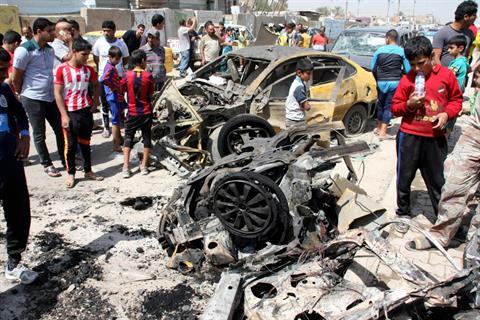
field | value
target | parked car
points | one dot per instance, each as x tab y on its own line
360	44
242	95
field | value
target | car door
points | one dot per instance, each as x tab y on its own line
270	102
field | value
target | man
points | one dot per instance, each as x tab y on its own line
27	34
320	40
297	36
155	59
193	35
100	56
388	65
184	45
421	141
33	80
75	29
132	38
209	45
158	23
13	187
11	41
62	45
465	16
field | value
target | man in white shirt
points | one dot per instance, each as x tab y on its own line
185	44
100	56
62	45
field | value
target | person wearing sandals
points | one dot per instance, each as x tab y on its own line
33	79
139	86
462	178
14	148
76	106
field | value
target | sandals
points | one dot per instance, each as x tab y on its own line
144	170
126	173
93	177
52	172
70	183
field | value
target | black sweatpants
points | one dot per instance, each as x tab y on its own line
79	133
105	108
427	154
38	111
15	198
142	123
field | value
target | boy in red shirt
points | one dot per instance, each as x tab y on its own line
138	84
75	105
421	141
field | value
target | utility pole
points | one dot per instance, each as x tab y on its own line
414	17
388	11
358	8
346	9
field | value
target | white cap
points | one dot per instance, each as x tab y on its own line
270	25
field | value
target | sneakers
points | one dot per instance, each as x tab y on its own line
106	133
144	170
21	273
126	173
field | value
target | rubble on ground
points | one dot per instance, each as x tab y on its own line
290	234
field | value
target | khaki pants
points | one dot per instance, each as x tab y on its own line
462	178
292	123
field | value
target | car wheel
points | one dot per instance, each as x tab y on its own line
355	120
240	129
213	145
251	206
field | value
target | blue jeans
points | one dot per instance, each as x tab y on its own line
384	105
184	61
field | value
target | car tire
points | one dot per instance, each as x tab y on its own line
228	143
355	120
213	145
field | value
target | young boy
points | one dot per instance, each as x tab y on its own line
75	105
138	84
421	142
459	64
114	93
297	99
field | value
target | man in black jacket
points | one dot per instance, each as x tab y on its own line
132	38
14	147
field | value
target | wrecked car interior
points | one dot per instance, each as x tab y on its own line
290	233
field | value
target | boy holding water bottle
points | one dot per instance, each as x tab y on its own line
426	98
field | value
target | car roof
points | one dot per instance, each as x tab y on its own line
271	53
380	29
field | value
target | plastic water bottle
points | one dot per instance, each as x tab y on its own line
420	85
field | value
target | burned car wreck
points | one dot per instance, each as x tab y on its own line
292	234
242	95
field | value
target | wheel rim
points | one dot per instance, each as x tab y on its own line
244	207
241	135
355	122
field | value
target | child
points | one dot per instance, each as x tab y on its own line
297	99
459	64
421	142
138	84
114	93
75	105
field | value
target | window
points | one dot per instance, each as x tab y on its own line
281	88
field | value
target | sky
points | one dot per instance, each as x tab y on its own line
443	10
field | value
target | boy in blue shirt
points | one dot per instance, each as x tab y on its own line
297	99
459	64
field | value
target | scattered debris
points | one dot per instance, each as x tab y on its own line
138	203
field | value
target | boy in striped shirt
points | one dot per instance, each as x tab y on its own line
75	104
114	93
138	84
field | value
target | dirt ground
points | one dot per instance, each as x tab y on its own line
99	259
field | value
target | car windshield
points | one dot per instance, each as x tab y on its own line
358	43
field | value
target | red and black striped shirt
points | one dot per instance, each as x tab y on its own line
138	84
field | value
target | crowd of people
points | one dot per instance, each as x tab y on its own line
296	35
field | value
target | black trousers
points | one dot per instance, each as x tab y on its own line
427	155
15	198
78	133
38	111
142	123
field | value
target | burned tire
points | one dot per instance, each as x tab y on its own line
236	131
355	120
251	206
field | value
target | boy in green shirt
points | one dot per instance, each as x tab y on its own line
459	64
